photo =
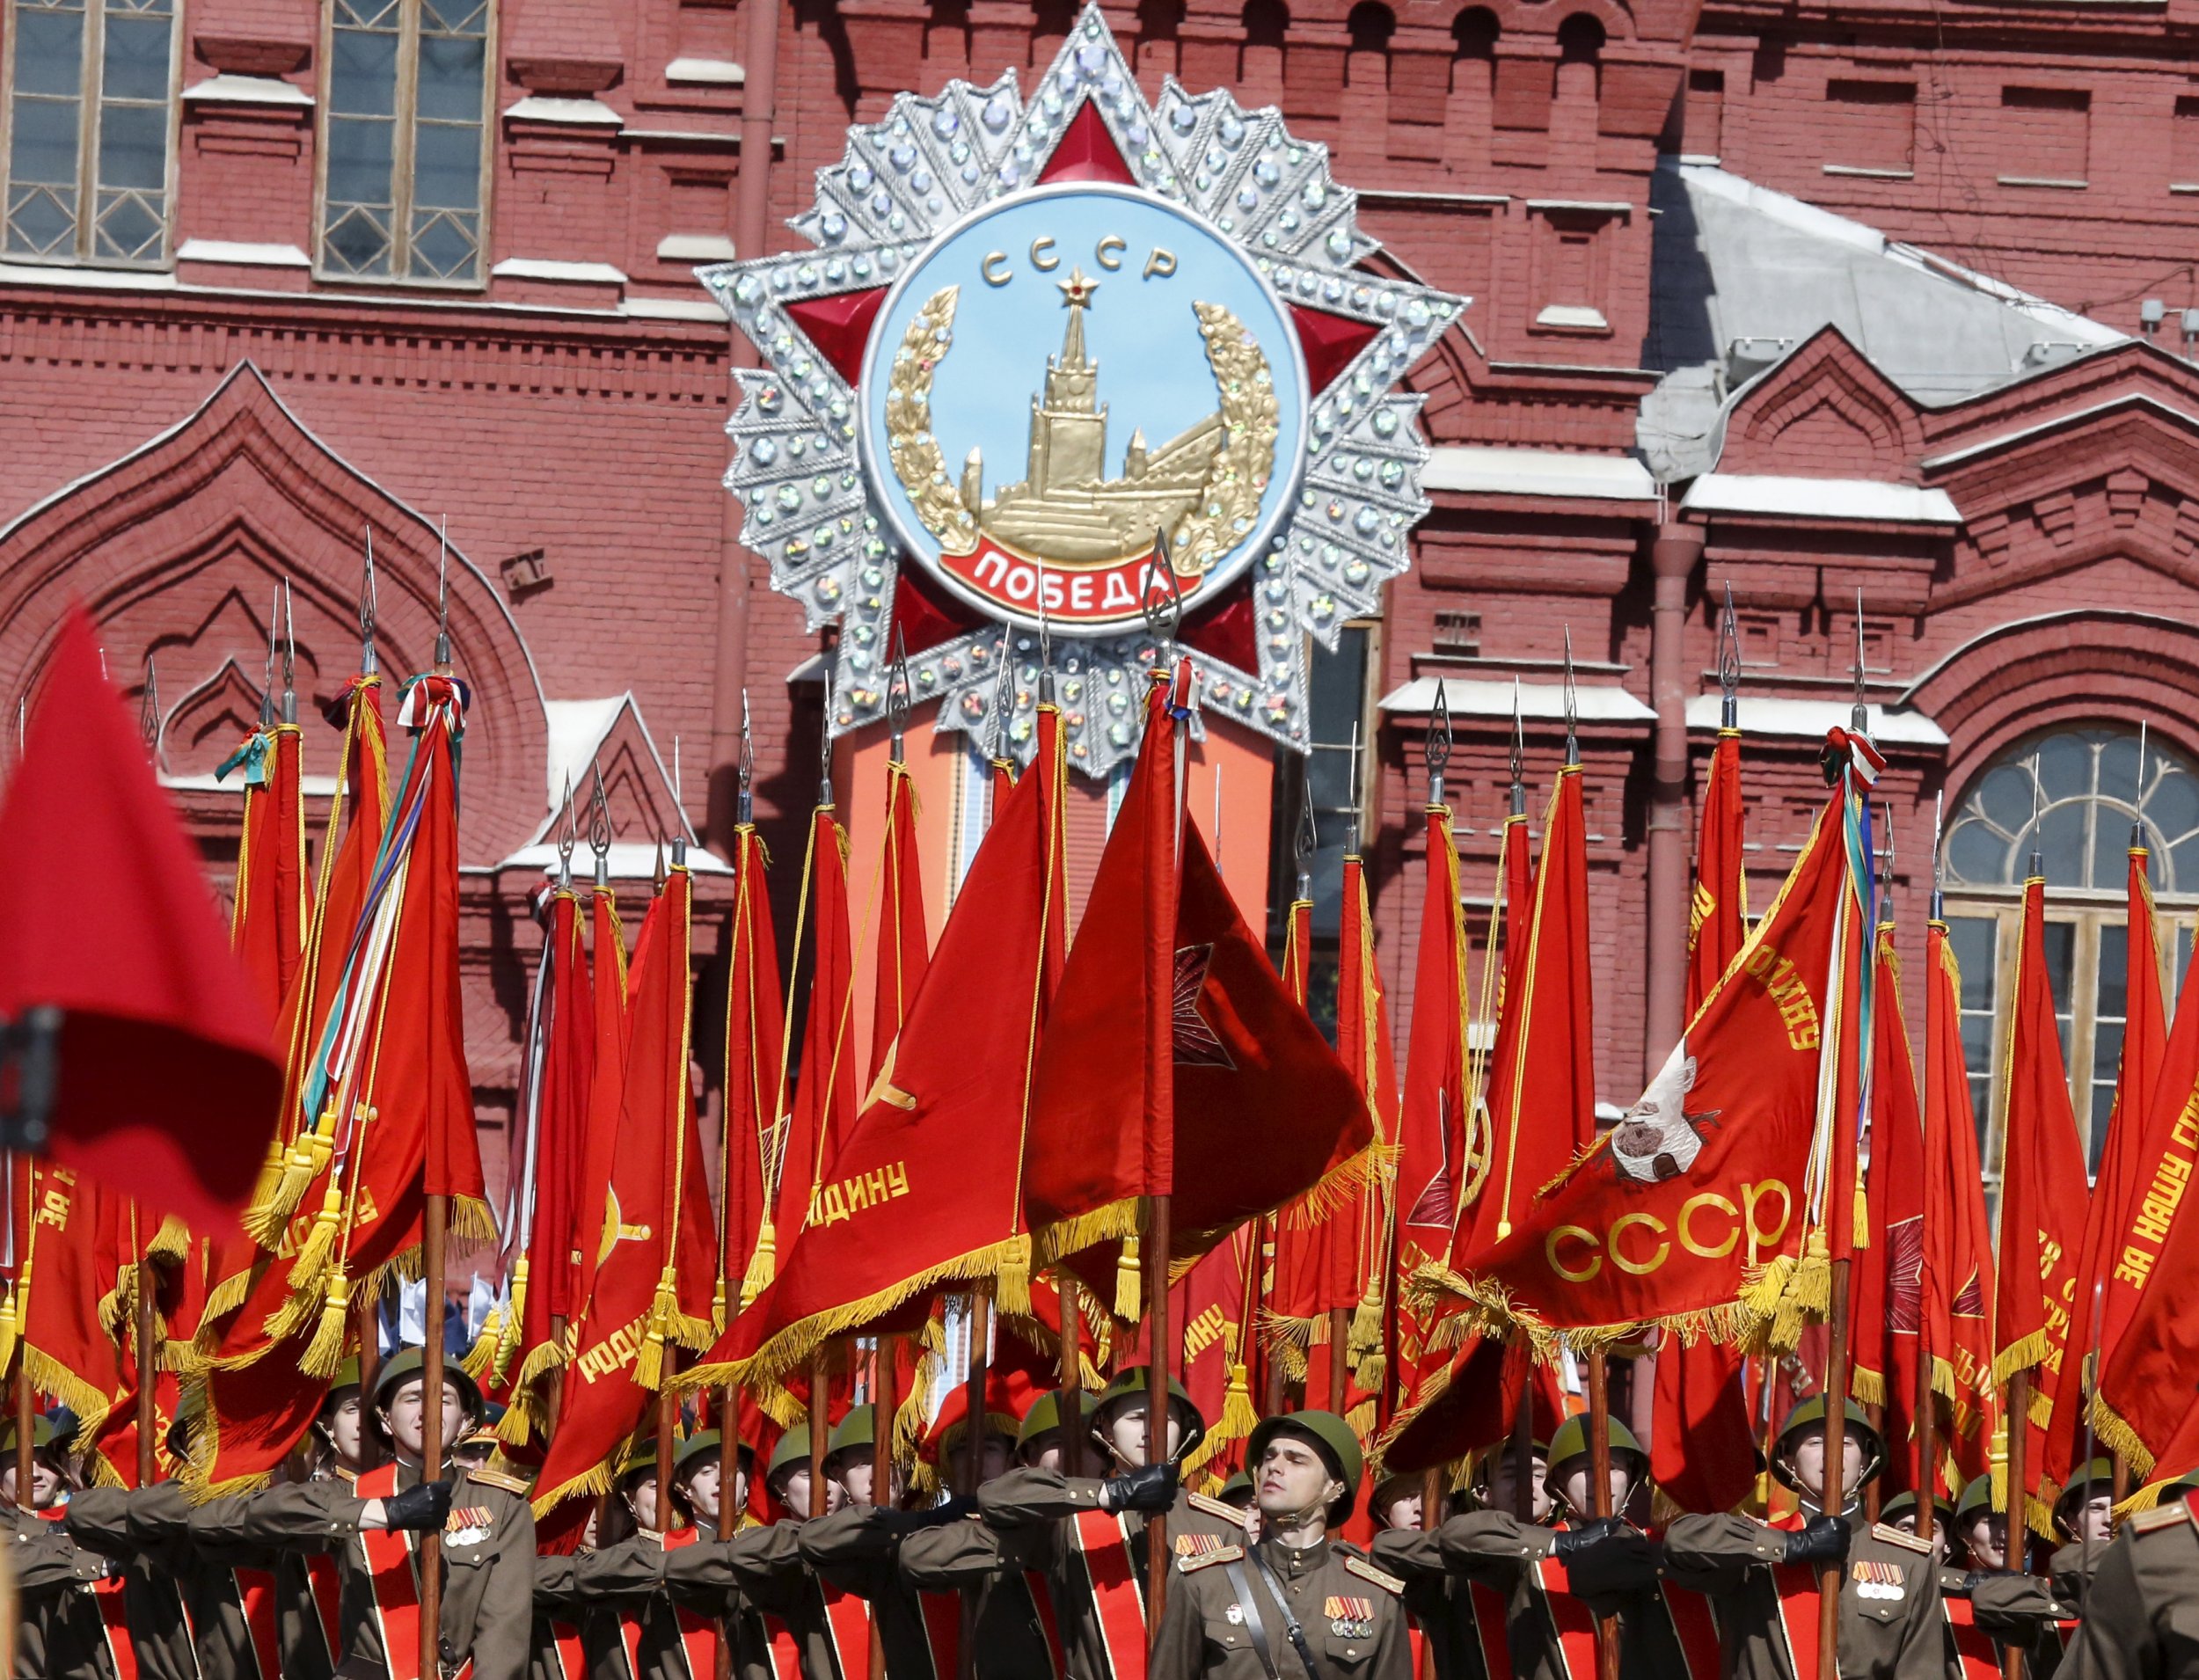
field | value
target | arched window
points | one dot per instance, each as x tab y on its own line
1580	40
2073	796
1473	33
1266	23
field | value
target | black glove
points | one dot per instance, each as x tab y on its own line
1822	1539
1151	1487
424	1508
932	1516
1571	1543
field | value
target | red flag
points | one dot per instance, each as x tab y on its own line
1432	1120
655	1263
1958	1269
1693	1210
1173	1041
824	1104
921	1189
754	1035
72	1294
1889	1273
168	1072
1701	1454
540	1248
904	944
2139	1127
268	914
606	1087
2042	1195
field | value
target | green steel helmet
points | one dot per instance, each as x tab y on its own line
2080	1489
1336	1441
1131	1386
1484	1458
1043	1417
851	1434
347	1376
1904	1504
1812	1412
408	1365
2187	1483
702	1446
1571	1441
42	1437
1237	1491
1976	1501
791	1452
640	1460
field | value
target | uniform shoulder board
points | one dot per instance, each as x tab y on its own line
1215	1508
504	1479
2166	1514
1896	1537
1366	1571
1190	1566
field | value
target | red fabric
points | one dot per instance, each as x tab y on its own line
78	1249
925	615
904	944
169	1071
1889	1273
755	1039
393	1583
1701	1454
922	1186
1432	1123
1957	1269
824	1100
2043	1189
607	1085
267	916
655	1258
1227	627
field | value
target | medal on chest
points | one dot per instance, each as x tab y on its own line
1350	1618
1874	1579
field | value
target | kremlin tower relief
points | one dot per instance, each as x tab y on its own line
1064	510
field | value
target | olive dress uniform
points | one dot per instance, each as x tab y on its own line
573	1637
1890	1625
1441	1604
761	1569
488	1551
969	1555
857	1549
2142	1609
60	1636
2026	1613
185	1598
1349	1613
628	1587
308	1648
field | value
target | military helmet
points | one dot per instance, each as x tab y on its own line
1904	1504
1976	1501
409	1363
1237	1491
1812	1412
791	1452
1336	1441
1572	1441
1132	1384
702	1447
1044	1416
2077	1491
851	1434
42	1437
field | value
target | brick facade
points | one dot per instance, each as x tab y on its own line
180	438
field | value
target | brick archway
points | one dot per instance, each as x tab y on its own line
178	547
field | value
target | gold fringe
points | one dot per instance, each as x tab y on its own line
49	1376
1866	1387
1129	1302
2119	1438
762	1266
268	1216
318	1250
1362	1417
1012	1283
591	1483
1111	1223
479	1360
7	1327
325	1351
1339	1185
1239	1416
171	1241
2022	1354
227	1297
472	1220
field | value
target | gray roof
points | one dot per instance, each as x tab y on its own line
1741	275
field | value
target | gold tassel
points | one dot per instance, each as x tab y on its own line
763	1265
1011	1285
7	1327
325	1351
664	1315
265	1220
718	1306
1127	1302
1238	1413
320	1247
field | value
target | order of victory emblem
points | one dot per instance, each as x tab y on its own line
1042	351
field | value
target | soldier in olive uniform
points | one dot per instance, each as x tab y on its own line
1899	1512
1559	1580
2138	1606
698	1483
1763	1577
1295	1598
69	1599
488	1539
2040	1613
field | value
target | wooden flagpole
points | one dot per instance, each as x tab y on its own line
432	1443
819	1423
1600	1473
2017	1415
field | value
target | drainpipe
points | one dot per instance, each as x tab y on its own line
1673	558
751	238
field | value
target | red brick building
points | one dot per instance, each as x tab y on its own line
1800	303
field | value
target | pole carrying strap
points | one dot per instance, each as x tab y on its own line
1253	1626
1289	1622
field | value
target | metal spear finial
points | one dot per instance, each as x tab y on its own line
1004	698
148	712
1046	649
1860	718
897	696
1162	602
568	837
657	873
289	657
1729	665
2137	801
2038	856
1436	753
1939	859
1351	793
824	733
599	829
443	601
679	810
367	666
1308	840
1518	806
1572	706
1886	847
744	812
267	670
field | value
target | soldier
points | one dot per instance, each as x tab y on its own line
1441	1604
1237	1609
1087	1536
1494	1481
1981	1525
1557	1581
698	1484
1899	1512
1763	1577
2039	1613
1017	1637
851	1457
660	1637
2137	1605
368	1525
70	1601
856	1550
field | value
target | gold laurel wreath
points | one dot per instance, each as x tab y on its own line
1229	500
917	461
